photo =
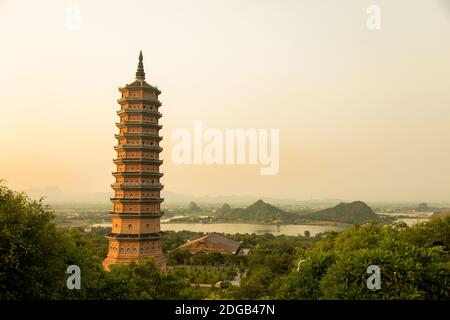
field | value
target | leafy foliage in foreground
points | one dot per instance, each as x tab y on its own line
34	256
414	264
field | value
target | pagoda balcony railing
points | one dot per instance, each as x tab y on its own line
138	146
137	173
152	122
124	100
138	161
157	235
146	186
128	214
139	111
137	200
132	123
138	135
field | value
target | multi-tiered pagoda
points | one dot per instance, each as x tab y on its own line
136	233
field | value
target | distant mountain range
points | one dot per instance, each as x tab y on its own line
260	211
54	194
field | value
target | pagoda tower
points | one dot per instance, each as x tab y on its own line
136	233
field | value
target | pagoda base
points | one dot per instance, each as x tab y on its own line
159	260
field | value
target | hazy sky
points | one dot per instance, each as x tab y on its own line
362	114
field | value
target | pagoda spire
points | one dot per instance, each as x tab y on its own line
140	74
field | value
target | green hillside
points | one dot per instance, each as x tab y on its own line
354	212
258	211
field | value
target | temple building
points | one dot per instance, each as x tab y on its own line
213	242
136	213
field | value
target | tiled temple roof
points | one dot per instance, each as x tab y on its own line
218	240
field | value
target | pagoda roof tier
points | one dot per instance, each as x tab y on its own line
138	173
140	84
134	123
125	100
134	215
138	161
137	146
139	111
138	135
136	200
137	186
137	236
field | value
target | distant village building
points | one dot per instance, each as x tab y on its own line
136	213
213	242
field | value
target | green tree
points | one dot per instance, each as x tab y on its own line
414	264
31	249
34	256
256	284
304	283
407	272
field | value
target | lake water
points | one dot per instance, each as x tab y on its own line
231	228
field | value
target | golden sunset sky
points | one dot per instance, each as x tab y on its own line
363	114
